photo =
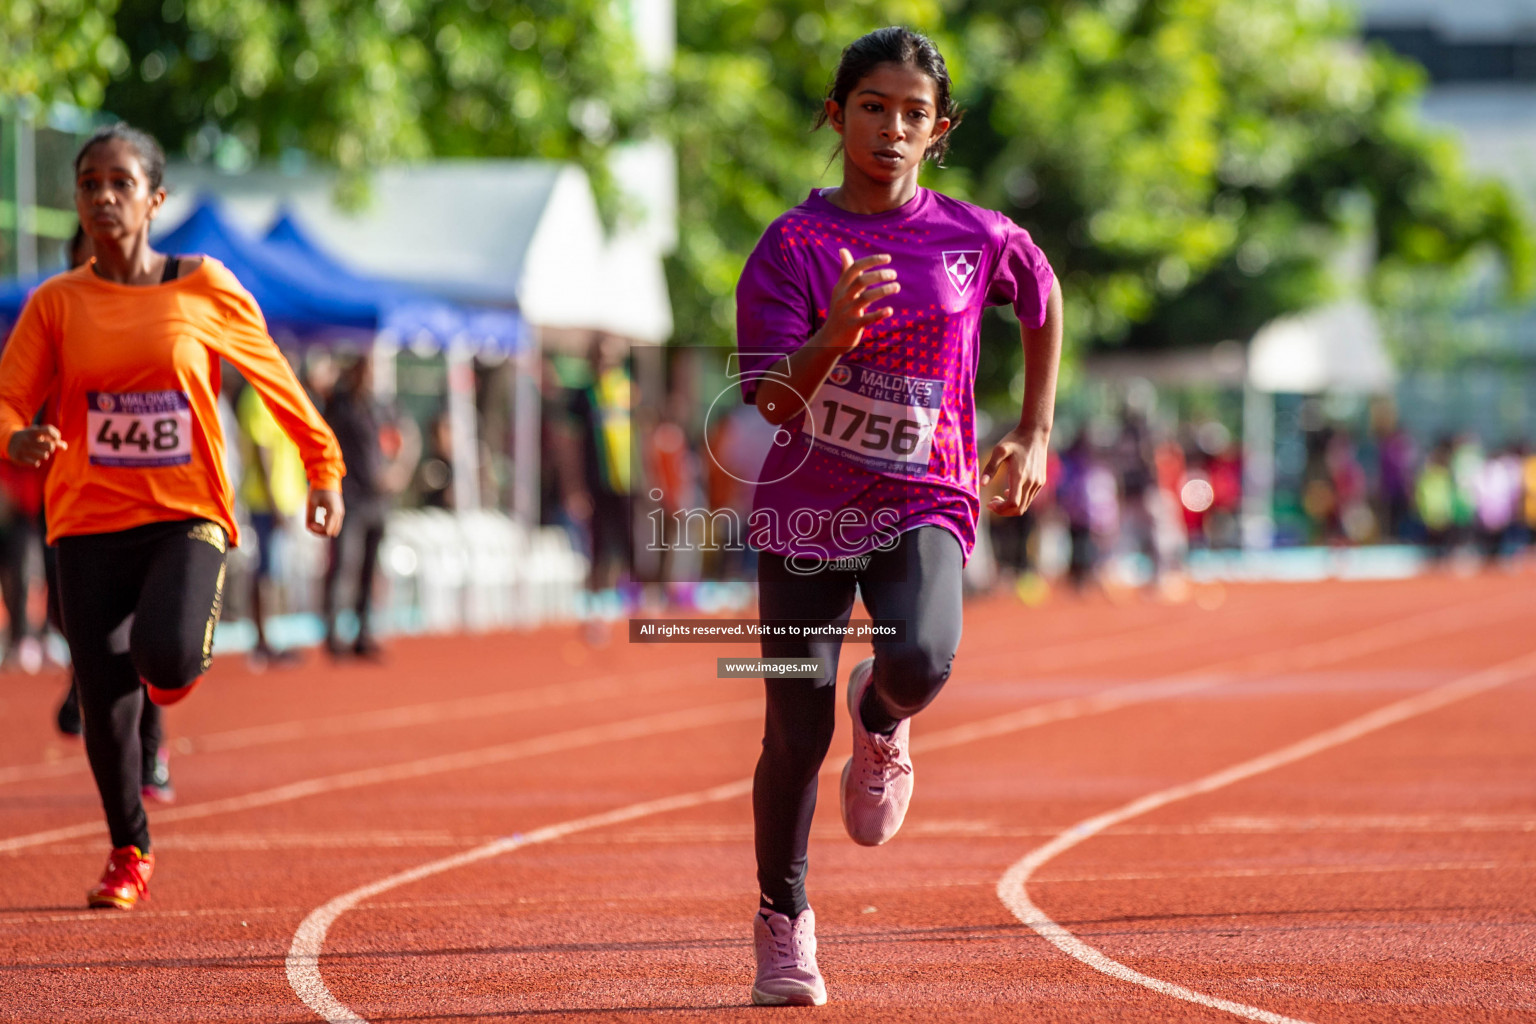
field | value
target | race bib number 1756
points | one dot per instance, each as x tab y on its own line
882	421
139	429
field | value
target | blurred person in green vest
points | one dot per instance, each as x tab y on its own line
600	410
1466	464
273	489
1435	495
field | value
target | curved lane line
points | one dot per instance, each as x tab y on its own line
309	941
631	728
303	962
407	716
1011	887
1054	656
1360	642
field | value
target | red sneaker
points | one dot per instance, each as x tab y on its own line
165	698
126	880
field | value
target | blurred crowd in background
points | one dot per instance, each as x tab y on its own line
1391	169
1154	491
635	487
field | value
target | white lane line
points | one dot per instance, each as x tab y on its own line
304	955
632	728
86	918
1067	654
223	842
657	680
937	829
1011	888
1332	869
309	941
1289	659
409	716
1364	641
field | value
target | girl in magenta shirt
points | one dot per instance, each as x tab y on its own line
857	329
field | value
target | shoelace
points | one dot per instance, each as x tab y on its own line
887	761
788	947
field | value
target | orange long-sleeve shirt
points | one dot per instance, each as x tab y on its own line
136	372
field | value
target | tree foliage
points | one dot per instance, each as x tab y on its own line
1191	167
58	50
362	83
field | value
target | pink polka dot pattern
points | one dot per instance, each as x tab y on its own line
952	259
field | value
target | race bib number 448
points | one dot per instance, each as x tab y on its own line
882	421
139	429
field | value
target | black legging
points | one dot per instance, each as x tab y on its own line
365	531
17	538
151	719
918	583
169	578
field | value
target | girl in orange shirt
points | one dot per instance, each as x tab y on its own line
138	502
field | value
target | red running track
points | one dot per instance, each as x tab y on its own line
516	827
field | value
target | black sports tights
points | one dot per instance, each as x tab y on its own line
918	582
140	603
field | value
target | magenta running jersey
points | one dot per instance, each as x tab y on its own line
888	443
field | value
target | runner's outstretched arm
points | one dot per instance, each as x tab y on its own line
1022	451
247	345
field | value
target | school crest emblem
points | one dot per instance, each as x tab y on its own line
960	265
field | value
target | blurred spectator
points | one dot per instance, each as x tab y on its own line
1528	480
273	489
1213	493
1135	466
434	477
1088	498
1395	457
1352	521
601	411
738	447
1466	469
1435	496
1498	500
673	473
563	500
21	503
354	416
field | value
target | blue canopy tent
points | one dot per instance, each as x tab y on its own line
291	301
13	296
305	293
421	322
410	315
308	295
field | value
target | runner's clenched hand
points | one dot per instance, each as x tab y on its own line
33	446
1023	454
859	285
324	512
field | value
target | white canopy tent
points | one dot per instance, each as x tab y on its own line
1331	349
522	233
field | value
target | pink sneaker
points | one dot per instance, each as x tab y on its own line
786	960
877	780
